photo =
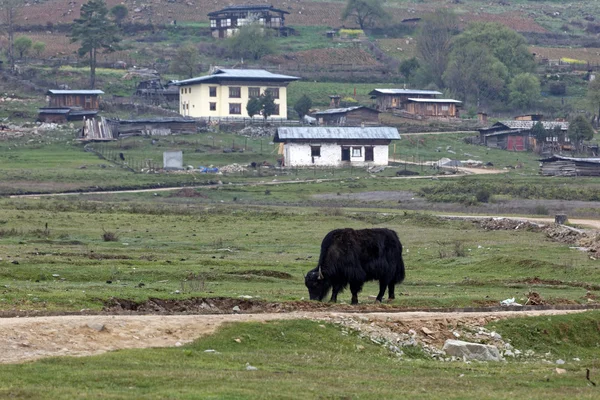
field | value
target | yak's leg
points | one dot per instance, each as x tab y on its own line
334	292
382	287
355	288
391	288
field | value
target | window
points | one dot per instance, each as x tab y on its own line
356	152
226	22
253	92
429	108
213	106
445	108
212	91
274	92
235	92
181	90
276	110
315	151
235	108
213	23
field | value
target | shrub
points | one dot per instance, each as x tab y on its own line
483	195
557	88
110	236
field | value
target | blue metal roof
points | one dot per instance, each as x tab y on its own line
404	91
89	92
308	133
342	110
238	74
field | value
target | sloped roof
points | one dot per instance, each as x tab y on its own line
342	110
246	7
512	124
308	133
555	157
404	91
435	100
89	92
237	74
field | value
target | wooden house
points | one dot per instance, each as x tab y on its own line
529	117
349	116
446	108
226	22
515	135
155	92
85	99
389	99
569	166
334	147
61	115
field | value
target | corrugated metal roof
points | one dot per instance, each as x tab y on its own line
435	100
242	7
342	110
287	133
95	91
405	91
529	124
556	157
239	74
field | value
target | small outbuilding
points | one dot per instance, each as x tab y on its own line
335	146
349	116
444	108
389	99
515	135
570	166
85	99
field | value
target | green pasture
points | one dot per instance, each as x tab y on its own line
304	360
230	250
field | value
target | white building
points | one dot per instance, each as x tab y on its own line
335	146
225	93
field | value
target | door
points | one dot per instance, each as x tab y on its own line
369	154
345	153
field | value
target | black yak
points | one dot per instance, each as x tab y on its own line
354	257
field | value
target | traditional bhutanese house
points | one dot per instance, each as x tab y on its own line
85	99
349	116
516	135
529	117
570	166
387	99
447	108
225	93
227	22
334	147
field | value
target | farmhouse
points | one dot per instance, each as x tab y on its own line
337	147
349	116
516	135
225	93
226	22
447	108
570	166
70	105
389	99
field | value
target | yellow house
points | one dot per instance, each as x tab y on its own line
225	93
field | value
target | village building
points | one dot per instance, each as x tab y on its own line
227	22
439	108
390	99
335	147
225	93
154	92
516	135
349	116
70	105
569	166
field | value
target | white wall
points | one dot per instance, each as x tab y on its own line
299	155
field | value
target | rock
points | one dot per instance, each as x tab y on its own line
178	344
471	351
97	326
560	371
426	331
509	353
560	362
236	309
250	367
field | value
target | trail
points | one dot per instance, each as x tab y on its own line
25	339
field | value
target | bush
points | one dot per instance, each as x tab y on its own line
110	236
557	88
483	195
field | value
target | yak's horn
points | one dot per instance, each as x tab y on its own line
320	273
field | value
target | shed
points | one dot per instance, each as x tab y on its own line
433	107
349	116
386	99
335	146
515	135
86	99
570	166
63	114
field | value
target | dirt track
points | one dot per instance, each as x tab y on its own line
25	339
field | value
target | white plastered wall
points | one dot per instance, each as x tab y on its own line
299	155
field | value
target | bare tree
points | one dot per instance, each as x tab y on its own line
10	12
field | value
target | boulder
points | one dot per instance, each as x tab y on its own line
471	351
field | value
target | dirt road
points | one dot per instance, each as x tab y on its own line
25	339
